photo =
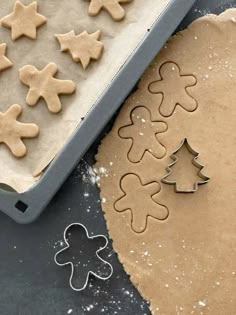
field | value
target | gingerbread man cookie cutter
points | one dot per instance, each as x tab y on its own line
204	179
89	272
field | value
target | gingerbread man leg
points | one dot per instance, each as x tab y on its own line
64	87
53	102
32	97
116	11
16	146
113	7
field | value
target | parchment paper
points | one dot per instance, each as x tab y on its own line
119	38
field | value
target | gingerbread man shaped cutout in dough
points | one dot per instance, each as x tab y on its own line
83	262
113	7
4	61
173	87
11	131
43	85
138	199
24	20
82	47
143	132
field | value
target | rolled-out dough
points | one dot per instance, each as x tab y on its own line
186	263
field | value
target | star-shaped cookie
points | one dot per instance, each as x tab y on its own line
4	61
82	47
12	131
113	7
23	21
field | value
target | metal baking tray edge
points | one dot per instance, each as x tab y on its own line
26	207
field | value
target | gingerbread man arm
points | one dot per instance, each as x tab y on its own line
24	130
27	130
159	127
126	131
50	70
157	87
189	81
121	204
13	112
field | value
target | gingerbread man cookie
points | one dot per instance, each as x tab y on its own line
12	131
138	199
113	7
42	84
4	61
143	132
174	88
82	47
24	20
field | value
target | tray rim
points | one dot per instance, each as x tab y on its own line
38	196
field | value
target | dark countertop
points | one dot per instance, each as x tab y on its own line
31	283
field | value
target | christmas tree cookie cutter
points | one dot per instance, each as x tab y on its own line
89	272
204	179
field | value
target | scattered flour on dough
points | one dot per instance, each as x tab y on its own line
202	303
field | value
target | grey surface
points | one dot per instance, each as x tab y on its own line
35	200
31	284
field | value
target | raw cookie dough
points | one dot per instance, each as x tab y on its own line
113	7
24	20
82	47
4	61
184	264
43	84
12	131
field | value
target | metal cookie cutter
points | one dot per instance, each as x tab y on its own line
89	272
204	179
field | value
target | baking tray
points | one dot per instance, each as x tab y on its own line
27	206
